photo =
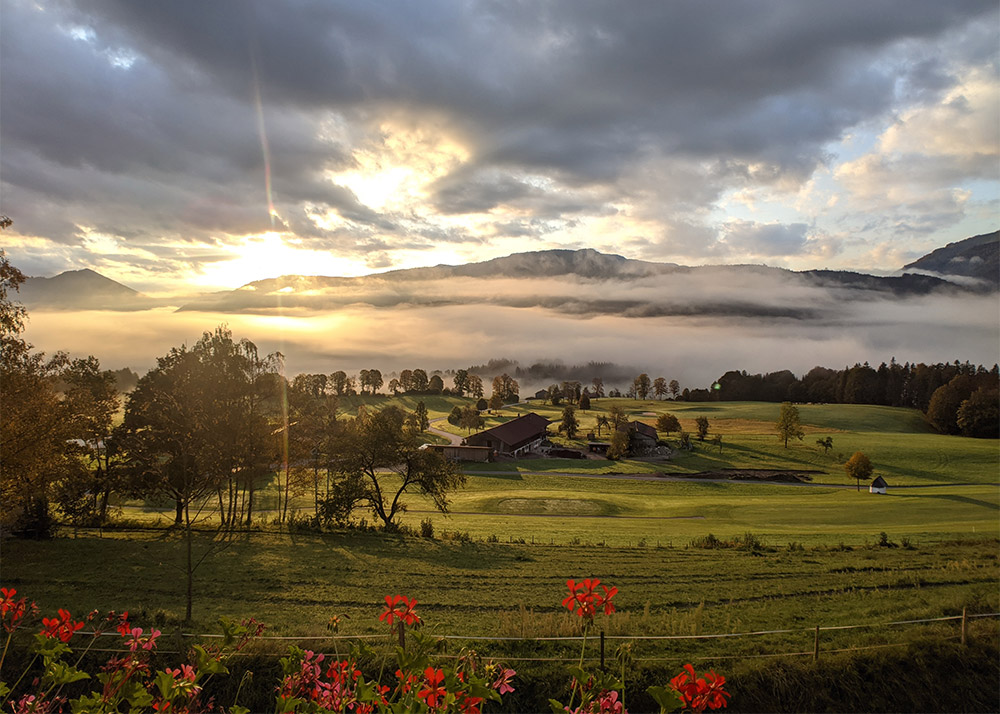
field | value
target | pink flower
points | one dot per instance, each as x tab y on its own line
502	683
138	641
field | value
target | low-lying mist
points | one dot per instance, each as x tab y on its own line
825	328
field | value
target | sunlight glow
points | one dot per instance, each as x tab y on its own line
269	256
393	171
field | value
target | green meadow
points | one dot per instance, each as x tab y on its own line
689	555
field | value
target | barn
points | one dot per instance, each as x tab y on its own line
878	485
513	438
642	437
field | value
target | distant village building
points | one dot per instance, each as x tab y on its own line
878	485
641	437
513	438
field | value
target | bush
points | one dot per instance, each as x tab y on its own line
427	528
709	541
884	542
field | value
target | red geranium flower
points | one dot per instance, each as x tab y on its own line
585	602
433	693
605	599
406	680
399	607
62	627
11	610
697	693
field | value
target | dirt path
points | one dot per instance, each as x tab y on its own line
455	439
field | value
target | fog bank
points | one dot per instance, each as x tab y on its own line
694	349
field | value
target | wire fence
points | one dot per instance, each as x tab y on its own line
600	637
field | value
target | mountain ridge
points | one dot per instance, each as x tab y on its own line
658	287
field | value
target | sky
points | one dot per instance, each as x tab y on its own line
191	146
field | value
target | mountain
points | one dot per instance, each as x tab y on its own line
80	290
977	257
581	283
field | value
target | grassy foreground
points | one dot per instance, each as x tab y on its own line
792	557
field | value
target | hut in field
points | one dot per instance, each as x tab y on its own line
878	485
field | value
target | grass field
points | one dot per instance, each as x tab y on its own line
498	563
951	487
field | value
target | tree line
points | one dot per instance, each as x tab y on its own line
206	429
956	397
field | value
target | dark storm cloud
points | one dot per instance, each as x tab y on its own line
144	121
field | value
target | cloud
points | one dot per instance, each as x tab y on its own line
435	129
695	349
766	239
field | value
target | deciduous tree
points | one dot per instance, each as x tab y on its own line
667	423
617	417
619	445
462	382
979	415
421	419
569	426
381	462
702	425
789	425
475	387
470	419
859	467
506	387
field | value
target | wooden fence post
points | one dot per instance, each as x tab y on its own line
964	627
816	645
602	650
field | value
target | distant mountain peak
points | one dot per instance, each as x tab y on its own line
977	257
82	289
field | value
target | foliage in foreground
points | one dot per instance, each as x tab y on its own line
309	682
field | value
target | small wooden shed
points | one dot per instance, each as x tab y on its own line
878	485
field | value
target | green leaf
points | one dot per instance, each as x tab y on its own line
668	699
556	707
49	647
4	690
137	697
165	683
579	674
206	663
291	704
237	709
60	673
85	704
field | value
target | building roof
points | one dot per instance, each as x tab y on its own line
516	432
879	482
644	429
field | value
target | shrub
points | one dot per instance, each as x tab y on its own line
427	528
709	541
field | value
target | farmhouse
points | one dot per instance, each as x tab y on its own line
512	438
641	437
878	485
